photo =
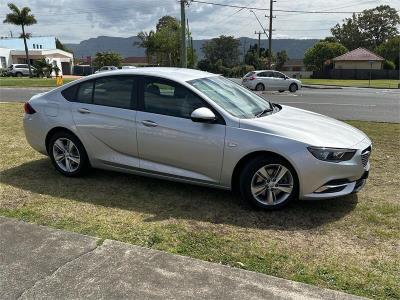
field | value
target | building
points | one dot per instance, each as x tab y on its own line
358	59
295	68
12	51
139	61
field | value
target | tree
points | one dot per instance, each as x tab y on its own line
379	24
390	50
316	56
224	48
107	59
369	29
166	21
61	46
44	69
164	43
22	18
281	58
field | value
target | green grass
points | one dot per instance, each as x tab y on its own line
30	82
378	83
349	244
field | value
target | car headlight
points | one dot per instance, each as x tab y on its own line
332	154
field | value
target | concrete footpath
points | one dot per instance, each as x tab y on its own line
40	262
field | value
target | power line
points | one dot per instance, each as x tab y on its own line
280	10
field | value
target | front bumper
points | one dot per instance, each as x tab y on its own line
339	179
334	190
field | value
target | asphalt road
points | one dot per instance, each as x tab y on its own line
381	105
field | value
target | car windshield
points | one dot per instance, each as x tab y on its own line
235	99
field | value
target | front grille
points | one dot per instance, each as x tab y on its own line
365	156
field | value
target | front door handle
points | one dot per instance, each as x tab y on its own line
149	123
83	110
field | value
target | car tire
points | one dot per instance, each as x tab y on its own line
68	154
268	193
260	87
18	74
293	88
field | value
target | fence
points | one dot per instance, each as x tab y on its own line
356	74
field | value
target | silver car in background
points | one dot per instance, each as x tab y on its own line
270	80
197	127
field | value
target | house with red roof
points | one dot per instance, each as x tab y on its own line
358	59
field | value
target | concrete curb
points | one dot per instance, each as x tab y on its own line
322	87
41	262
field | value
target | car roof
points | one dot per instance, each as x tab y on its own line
259	71
176	74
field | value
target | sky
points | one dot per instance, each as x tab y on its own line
75	20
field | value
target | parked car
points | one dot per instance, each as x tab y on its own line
106	68
128	67
269	80
197	127
20	70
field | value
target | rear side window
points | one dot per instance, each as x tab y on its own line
85	91
79	92
70	93
114	91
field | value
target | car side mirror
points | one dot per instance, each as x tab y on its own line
286	77
203	115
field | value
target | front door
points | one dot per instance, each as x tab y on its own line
104	116
170	143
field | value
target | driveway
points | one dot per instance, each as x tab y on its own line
382	105
38	262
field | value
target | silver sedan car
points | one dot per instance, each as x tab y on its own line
196	127
270	80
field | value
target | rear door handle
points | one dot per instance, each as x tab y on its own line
148	123
83	110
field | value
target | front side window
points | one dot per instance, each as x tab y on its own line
114	91
279	75
169	98
235	99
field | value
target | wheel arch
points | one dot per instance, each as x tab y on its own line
252	155
55	130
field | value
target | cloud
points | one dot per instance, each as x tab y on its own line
75	20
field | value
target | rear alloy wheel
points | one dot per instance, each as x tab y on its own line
260	87
293	88
68	154
269	183
19	74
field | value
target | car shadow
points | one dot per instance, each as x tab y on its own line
163	199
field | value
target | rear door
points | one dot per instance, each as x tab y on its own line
169	141
104	114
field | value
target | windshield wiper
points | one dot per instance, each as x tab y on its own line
263	112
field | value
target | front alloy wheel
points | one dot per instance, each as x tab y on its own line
268	182
272	184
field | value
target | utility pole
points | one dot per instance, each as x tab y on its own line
183	35
270	33
259	42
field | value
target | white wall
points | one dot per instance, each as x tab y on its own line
6	53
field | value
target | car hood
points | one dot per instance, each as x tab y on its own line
307	127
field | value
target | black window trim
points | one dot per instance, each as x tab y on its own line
133	100
140	106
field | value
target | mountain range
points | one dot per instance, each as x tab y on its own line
295	48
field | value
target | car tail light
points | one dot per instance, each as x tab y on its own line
252	78
29	109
